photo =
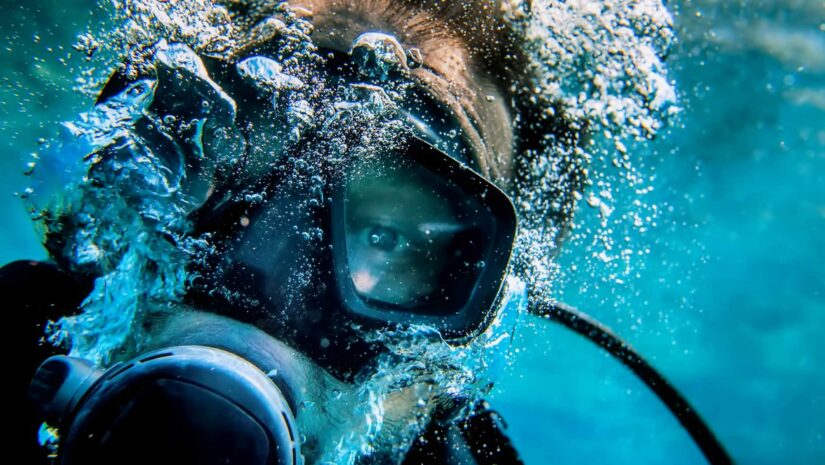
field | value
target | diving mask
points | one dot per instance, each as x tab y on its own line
419	238
406	233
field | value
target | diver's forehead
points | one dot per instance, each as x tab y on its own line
449	73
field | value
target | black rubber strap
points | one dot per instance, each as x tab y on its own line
605	338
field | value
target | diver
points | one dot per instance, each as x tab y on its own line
335	188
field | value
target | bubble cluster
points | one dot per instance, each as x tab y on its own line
116	192
604	61
603	65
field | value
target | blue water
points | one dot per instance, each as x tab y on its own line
730	297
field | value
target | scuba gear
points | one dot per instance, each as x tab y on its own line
406	236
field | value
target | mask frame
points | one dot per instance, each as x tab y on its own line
477	311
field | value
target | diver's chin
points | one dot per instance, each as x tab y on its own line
336	420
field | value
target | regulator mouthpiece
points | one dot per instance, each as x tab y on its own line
181	405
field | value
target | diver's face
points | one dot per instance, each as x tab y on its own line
399	240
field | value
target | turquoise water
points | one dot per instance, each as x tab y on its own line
728	300
731	301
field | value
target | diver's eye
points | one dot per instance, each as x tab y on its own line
384	238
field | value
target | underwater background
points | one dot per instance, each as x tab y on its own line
727	298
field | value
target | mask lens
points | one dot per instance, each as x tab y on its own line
415	239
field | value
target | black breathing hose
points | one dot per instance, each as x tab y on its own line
605	338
